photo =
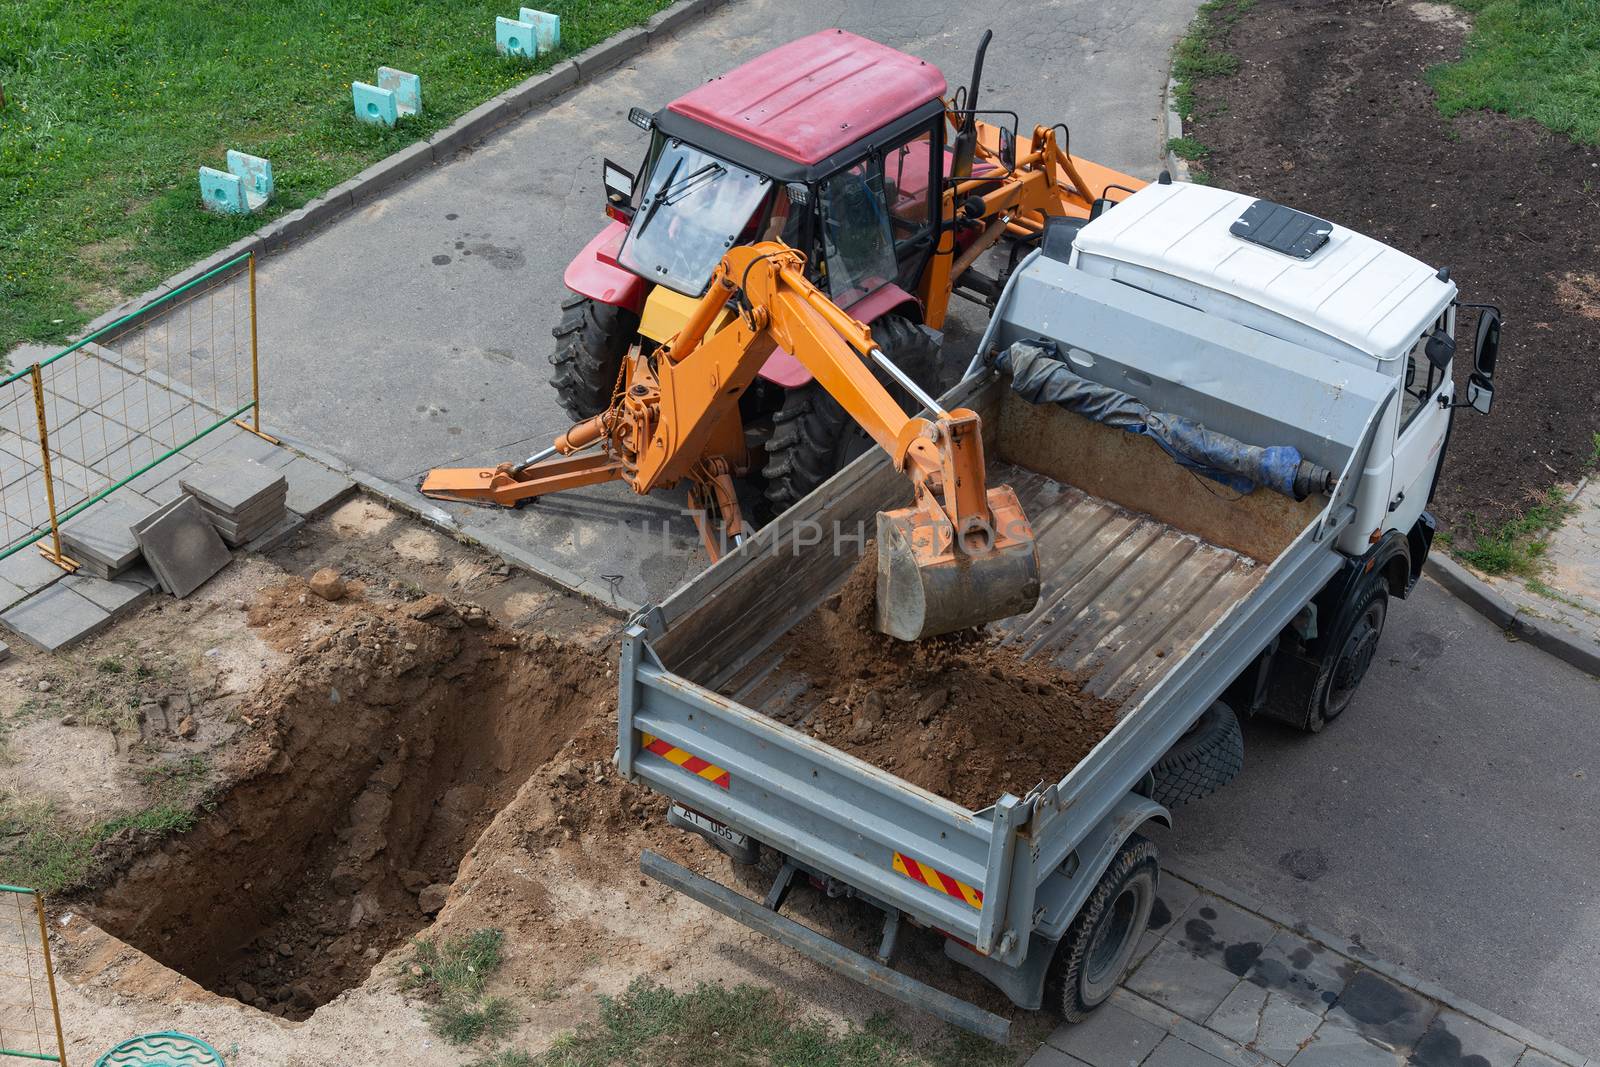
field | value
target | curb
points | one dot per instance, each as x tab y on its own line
1480	597
1392	971
1173	128
592	592
465	131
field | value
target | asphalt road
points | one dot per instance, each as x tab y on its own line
1448	822
415	332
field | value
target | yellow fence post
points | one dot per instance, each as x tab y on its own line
255	365
53	555
50	979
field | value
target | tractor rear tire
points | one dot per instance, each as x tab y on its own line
813	438
591	340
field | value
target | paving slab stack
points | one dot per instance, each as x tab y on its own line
101	539
242	498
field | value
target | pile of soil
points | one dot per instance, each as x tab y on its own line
960	715
375	762
1331	112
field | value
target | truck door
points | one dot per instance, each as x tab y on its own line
1423	422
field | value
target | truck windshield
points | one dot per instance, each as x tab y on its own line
693	210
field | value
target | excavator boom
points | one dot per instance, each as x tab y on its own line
960	555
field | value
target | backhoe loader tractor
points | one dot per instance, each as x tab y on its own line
847	151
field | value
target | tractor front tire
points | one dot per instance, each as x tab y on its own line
591	340
813	438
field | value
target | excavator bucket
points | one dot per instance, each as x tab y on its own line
928	585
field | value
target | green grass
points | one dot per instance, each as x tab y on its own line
1187	148
1517	548
452	974
111	107
1537	59
42	849
1200	54
745	1026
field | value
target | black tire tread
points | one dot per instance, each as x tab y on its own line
1202	763
809	427
1062	980
591	340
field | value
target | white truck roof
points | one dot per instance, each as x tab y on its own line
1353	288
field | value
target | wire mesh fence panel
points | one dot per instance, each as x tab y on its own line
112	407
30	1019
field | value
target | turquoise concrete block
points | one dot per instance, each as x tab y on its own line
255	173
374	106
222	192
407	90
546	28
514	38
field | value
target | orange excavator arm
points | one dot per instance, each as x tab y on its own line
962	554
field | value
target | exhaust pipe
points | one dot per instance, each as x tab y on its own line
966	143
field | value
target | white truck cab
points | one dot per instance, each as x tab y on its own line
1324	288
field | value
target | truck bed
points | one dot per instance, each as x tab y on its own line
1123	597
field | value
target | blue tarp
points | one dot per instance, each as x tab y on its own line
1040	376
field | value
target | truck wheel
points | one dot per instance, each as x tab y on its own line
1091	958
591	340
813	437
1204	760
1348	655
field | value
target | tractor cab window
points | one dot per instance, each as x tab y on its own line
694	208
857	242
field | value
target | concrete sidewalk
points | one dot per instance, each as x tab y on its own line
415	332
1218	981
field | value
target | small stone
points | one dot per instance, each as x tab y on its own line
411	646
415	881
69	720
327	584
286	950
432	899
45	686
246	992
931	705
872	707
187	727
239	605
861	731
301	995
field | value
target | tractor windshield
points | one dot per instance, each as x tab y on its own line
693	210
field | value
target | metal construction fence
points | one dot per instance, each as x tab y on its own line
30	1017
106	411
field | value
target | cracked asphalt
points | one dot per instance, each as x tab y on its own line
415	332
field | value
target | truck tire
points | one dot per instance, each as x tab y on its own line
1091	958
1348	653
813	437
591	340
1204	760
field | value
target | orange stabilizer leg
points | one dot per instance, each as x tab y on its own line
498	485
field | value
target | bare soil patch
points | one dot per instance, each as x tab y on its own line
960	715
1331	112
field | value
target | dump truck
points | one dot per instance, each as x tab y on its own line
1127	359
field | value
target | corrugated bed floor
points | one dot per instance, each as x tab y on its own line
1122	596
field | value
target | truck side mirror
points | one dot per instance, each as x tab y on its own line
1008	149
618	184
1480	393
1487	349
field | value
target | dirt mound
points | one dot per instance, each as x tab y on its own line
392	741
960	715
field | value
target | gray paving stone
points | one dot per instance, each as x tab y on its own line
1268	1022
1382	1012
88	438
1182	981
1173	899
1308	972
1455	1039
85	380
1052	1057
5	651
14	467
1174	1052
117	596
232	486
144	406
1110	1037
277	535
1339	1046
29	571
1223	933
10	594
168	468
1531	1058
103	532
231	442
136	452
313	488
181	547
55	617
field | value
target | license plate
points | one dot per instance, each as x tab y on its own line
712	826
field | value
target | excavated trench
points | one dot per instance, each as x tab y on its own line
380	755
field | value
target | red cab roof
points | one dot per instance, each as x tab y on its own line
810	98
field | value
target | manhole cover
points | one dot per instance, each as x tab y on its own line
166	1049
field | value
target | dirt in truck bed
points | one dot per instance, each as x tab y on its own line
961	716
1331	112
